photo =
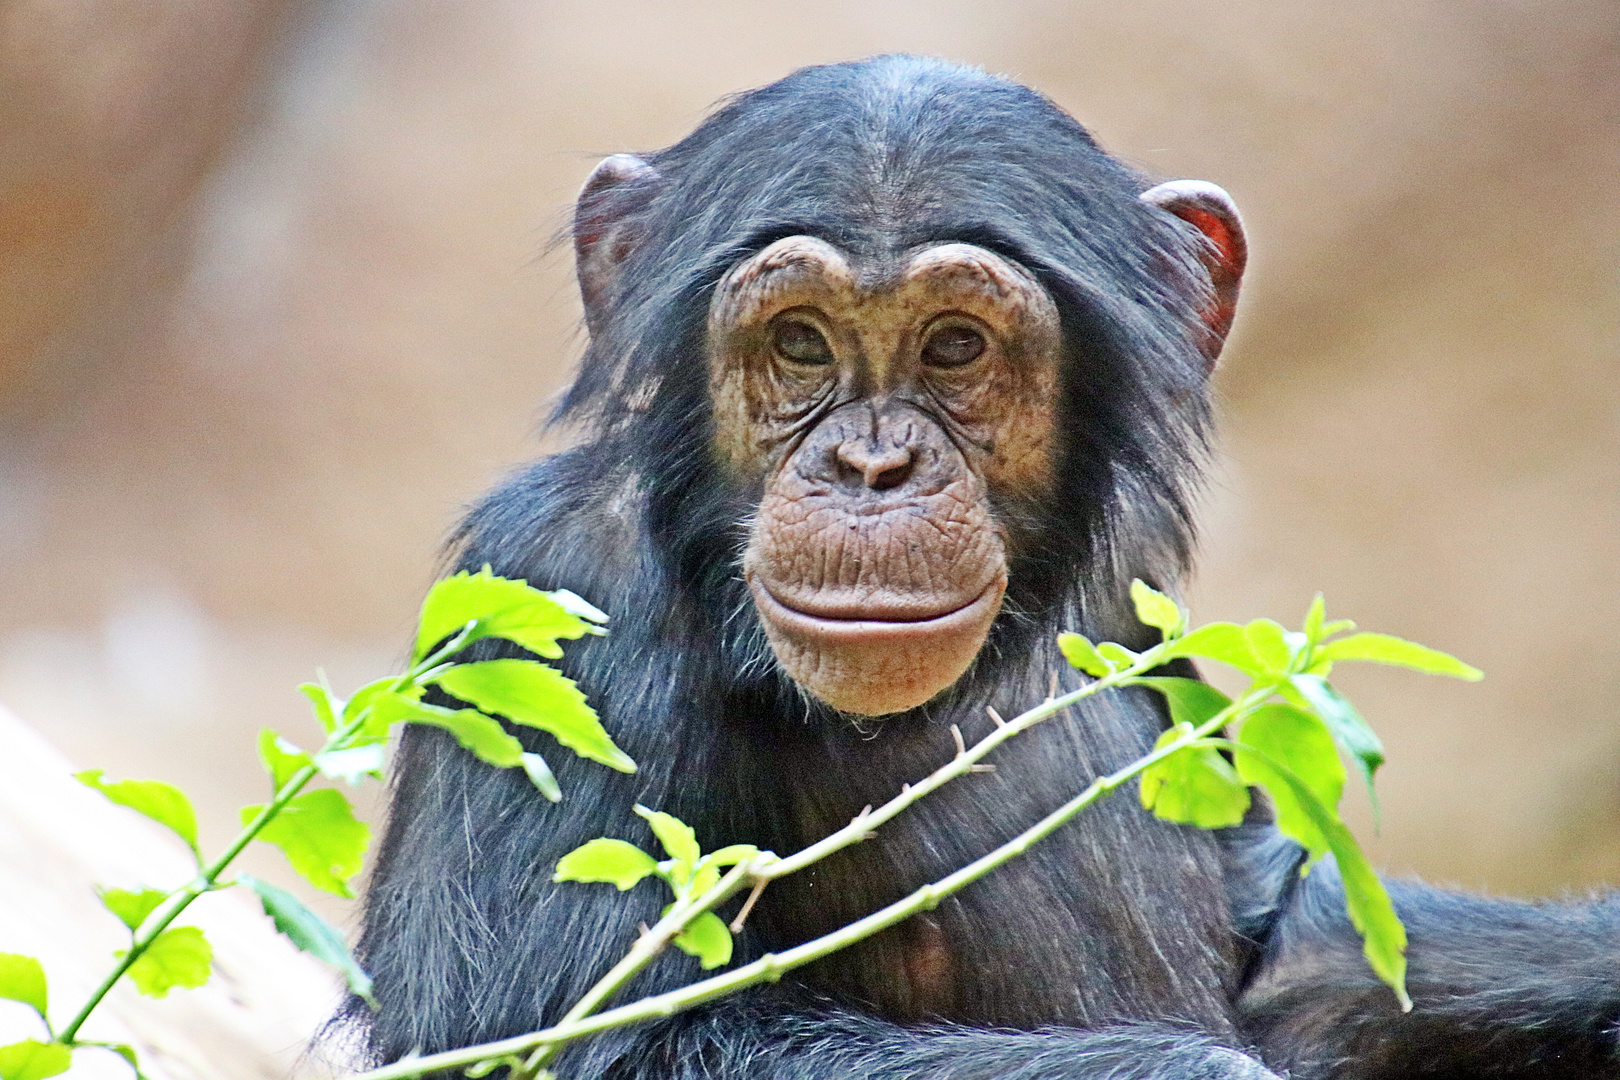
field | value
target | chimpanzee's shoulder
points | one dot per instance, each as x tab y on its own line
558	521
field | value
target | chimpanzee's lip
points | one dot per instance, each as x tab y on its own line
849	621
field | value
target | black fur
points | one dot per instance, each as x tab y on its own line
1120	947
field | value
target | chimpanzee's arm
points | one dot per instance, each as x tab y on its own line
773	1037
1499	988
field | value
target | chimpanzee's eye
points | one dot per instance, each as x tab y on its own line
952	346
800	342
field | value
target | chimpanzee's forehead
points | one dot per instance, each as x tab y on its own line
806	271
869	269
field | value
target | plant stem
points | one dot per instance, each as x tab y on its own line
856	831
181	899
772	967
962	764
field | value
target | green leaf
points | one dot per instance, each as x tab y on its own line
1314	619
1372	914
1348	728
705	877
126	1052
1269	643
319	835
1301	742
501	607
481	734
132	906
163	803
374	696
1366	899
1157	610
23	979
389	706
1194	786
311	933
1081	654
281	758
1192	701
180	956
541	776
679	841
706	938
614	861
1387	649
352	765
1116	655
537	695
30	1060
326	707
459	599
538	626
707	874
1221	641
731	855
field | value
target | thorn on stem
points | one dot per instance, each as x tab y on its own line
1051	687
645	929
980	766
748	905
991	709
961	747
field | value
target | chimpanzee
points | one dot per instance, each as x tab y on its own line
893	374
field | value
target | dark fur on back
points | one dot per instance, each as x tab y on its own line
1121	946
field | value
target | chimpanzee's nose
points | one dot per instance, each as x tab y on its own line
883	465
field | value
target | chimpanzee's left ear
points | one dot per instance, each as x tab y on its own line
605	227
1211	211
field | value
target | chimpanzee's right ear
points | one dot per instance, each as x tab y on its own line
607	227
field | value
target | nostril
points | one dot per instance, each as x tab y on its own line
881	467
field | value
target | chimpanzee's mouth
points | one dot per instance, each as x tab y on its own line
848	619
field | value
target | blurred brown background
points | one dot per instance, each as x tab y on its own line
273	308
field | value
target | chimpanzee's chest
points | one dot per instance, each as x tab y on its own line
1115	916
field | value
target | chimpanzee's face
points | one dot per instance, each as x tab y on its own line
876	408
882	410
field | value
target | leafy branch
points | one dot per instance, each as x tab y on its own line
316	830
1292	730
1290	747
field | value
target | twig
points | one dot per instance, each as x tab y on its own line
962	764
860	828
772	966
208	876
748	906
